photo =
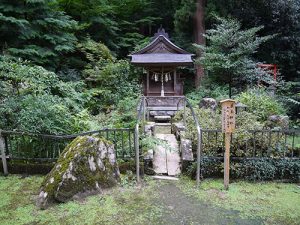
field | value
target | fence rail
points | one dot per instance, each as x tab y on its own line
43	147
253	143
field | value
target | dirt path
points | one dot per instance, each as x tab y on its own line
184	210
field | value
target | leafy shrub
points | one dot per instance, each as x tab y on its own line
33	99
207	90
260	103
289	95
213	143
121	115
109	80
261	169
210	167
288	169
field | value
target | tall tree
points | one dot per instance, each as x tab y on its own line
97	18
281	17
118	24
36	30
199	31
228	55
192	12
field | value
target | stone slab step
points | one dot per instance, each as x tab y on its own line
167	158
162	118
160	160
162	128
165	178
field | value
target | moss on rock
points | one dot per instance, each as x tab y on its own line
87	164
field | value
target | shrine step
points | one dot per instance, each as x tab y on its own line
166	159
162	118
156	177
162	128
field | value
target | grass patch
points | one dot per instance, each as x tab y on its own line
275	203
121	205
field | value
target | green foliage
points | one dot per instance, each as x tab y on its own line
289	95
119	21
150	143
124	114
267	169
110	80
215	91
36	31
278	17
212	144
35	100
260	103
227	56
96	53
262	169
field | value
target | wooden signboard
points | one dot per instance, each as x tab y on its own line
228	126
228	115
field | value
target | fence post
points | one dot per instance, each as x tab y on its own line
3	155
144	113
199	137
137	152
144	109
184	113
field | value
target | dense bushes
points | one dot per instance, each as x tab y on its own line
33	99
262	169
260	103
123	114
207	90
213	143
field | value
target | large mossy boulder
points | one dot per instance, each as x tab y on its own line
87	165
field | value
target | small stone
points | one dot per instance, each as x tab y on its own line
186	149
278	121
208	103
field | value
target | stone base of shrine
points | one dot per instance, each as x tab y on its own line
163	106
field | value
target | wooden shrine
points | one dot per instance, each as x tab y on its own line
160	59
162	85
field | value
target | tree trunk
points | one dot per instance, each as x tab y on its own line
199	30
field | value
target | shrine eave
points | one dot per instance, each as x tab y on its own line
162	59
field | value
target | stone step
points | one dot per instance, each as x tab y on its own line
156	177
160	160
166	159
162	128
162	118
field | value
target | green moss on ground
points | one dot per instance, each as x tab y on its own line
275	203
126	205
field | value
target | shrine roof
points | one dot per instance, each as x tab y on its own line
161	51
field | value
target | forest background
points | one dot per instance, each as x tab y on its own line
65	67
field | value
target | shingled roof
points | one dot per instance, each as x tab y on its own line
161	51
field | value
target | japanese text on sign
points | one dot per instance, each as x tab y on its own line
228	116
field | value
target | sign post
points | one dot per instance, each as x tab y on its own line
228	127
